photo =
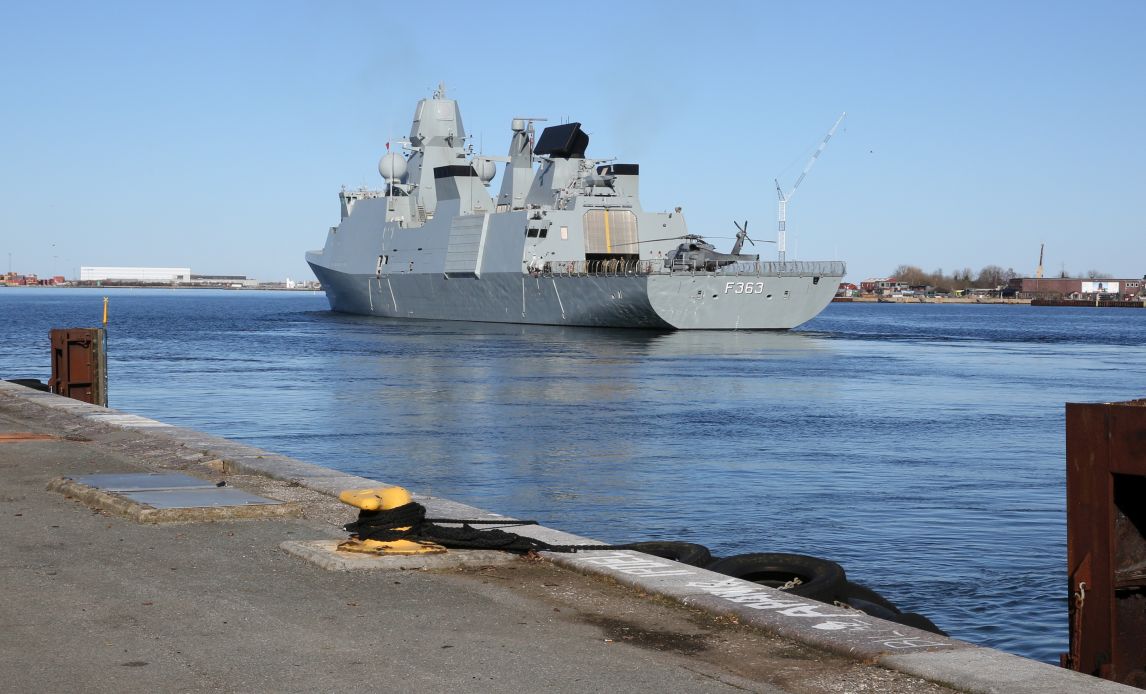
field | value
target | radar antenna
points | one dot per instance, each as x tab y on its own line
782	233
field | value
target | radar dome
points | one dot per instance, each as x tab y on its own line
485	169
392	166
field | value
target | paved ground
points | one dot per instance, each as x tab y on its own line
98	603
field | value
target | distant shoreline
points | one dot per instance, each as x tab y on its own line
927	300
161	286
963	300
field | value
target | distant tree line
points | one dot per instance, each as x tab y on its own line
990	277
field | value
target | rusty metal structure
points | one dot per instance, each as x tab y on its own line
1106	539
79	364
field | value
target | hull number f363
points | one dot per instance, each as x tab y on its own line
744	288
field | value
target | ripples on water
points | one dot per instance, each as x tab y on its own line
921	446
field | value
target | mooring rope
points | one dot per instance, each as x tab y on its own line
409	522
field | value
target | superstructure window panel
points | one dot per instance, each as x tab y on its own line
610	231
623	224
595	231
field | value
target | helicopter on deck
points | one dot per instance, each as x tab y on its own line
696	254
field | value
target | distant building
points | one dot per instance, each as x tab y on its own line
232	281
14	279
883	285
1076	288
136	274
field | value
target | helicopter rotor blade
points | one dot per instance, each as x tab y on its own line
667	238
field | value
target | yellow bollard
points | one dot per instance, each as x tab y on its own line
383	499
105	310
377	499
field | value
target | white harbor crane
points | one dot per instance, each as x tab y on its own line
782	234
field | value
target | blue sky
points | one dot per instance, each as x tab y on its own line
216	135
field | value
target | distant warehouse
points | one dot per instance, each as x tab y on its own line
1077	288
150	276
136	274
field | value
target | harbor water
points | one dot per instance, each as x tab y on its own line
920	446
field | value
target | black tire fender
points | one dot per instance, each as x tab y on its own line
820	579
871	608
861	593
688	553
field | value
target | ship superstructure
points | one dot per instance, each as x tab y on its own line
564	242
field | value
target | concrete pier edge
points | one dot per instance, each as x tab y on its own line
949	662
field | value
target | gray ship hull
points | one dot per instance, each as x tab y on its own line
565	242
682	301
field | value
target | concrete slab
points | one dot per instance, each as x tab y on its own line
986	671
325	553
333	485
124	505
209	497
125	420
143	481
834	628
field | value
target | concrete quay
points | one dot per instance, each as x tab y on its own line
99	601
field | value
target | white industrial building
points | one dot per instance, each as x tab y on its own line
136	274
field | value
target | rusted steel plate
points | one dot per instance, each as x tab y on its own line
79	364
10	437
1106	539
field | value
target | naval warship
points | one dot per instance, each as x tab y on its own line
564	242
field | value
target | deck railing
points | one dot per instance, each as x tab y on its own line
621	268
